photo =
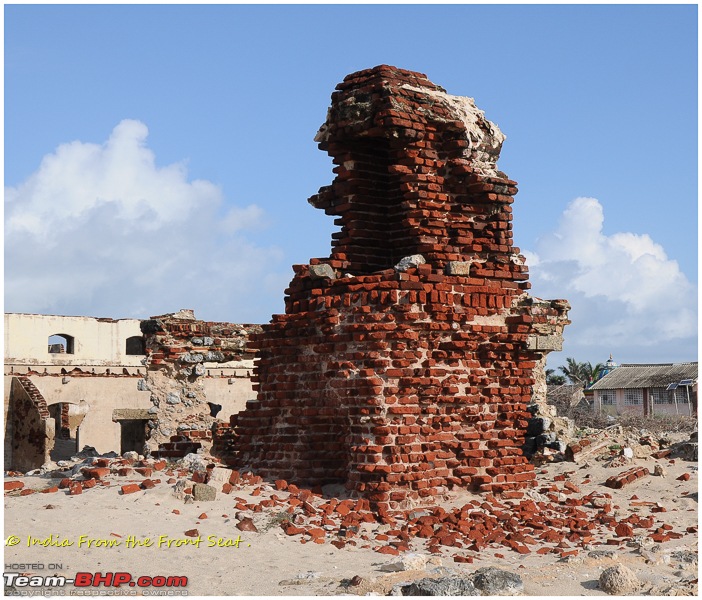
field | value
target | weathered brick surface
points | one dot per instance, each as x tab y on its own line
95	472
402	382
224	441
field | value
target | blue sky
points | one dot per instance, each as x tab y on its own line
160	157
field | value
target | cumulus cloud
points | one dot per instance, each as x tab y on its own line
628	297
100	229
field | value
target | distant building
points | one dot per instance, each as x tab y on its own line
609	366
647	390
71	382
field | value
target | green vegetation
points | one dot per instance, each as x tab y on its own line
583	373
277	520
553	379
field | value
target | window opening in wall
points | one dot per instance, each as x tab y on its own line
661	396
681	395
133	435
607	397
633	397
135	346
61	343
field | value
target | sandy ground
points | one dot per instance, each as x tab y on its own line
269	562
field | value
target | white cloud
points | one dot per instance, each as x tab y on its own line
628	297
100	229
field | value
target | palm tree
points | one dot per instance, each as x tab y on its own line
583	373
572	370
553	379
592	373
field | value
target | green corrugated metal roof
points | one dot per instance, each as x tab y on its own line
646	376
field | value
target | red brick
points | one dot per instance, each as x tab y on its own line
388	550
316	532
291	529
199	477
624	530
96	472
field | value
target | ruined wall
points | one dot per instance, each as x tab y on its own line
105	382
404	362
31	424
190	363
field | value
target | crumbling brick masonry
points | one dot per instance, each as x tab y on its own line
183	355
404	362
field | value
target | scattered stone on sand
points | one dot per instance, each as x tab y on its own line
203	492
453	585
619	581
408	562
659	471
497	582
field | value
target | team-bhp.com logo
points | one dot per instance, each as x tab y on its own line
95	580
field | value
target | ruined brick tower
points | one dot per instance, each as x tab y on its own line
404	362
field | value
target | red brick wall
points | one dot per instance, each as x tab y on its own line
402	384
